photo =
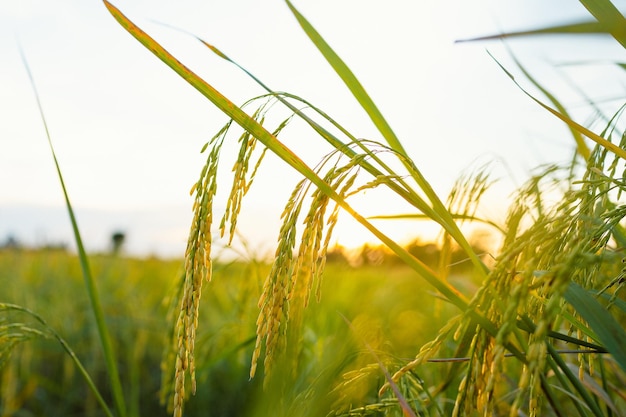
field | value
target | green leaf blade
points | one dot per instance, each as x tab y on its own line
351	81
609	17
608	331
591	27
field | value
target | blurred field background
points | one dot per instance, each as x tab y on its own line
388	308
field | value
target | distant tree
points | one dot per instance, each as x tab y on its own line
117	241
11	242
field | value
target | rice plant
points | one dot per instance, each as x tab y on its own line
543	333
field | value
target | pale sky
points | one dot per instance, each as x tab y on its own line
127	130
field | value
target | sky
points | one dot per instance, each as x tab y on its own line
127	131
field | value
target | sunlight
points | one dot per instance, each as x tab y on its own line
351	235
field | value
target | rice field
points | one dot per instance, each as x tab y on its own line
388	309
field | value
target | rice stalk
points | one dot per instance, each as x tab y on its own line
574	242
294	275
531	277
273	303
198	264
520	307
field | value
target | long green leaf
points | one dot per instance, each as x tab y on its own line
584	28
608	331
350	80
581	146
609	20
90	283
572	124
609	17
